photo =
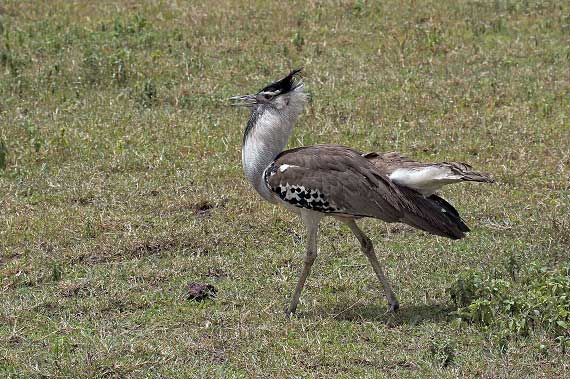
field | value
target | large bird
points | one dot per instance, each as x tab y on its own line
333	180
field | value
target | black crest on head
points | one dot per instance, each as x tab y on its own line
284	85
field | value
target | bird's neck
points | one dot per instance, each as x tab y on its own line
266	135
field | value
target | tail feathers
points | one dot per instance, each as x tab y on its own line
466	172
434	215
429	178
450	212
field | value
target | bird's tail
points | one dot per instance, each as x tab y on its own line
450	212
466	173
433	215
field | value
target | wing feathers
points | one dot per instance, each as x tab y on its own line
336	179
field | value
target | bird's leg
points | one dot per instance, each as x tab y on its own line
312	224
368	250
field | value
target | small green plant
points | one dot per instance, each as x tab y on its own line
442	352
149	94
34	136
119	69
298	40
512	266
61	347
12	62
61	140
56	272
137	24
433	40
465	288
540	299
91	67
90	229
3	155
359	9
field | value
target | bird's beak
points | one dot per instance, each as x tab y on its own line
243	101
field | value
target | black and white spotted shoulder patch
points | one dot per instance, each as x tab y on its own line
299	195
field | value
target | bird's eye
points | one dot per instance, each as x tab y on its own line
267	96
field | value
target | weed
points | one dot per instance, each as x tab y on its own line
359	8
148	94
56	271
465	289
540	299
91	229
3	155
62	141
119	68
442	352
512	266
34	136
298	40
433	40
14	63
92	63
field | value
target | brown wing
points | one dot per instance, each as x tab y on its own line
336	179
333	179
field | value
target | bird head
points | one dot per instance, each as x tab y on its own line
276	95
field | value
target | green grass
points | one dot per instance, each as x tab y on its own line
115	132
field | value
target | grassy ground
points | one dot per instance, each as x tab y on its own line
120	182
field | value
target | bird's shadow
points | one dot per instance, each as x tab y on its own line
407	315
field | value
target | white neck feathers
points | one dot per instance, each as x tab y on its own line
268	136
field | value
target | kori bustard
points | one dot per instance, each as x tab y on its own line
333	180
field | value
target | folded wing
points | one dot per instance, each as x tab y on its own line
337	180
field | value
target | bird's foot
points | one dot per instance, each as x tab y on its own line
289	311
393	307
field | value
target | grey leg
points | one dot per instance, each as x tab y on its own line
368	250
311	221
